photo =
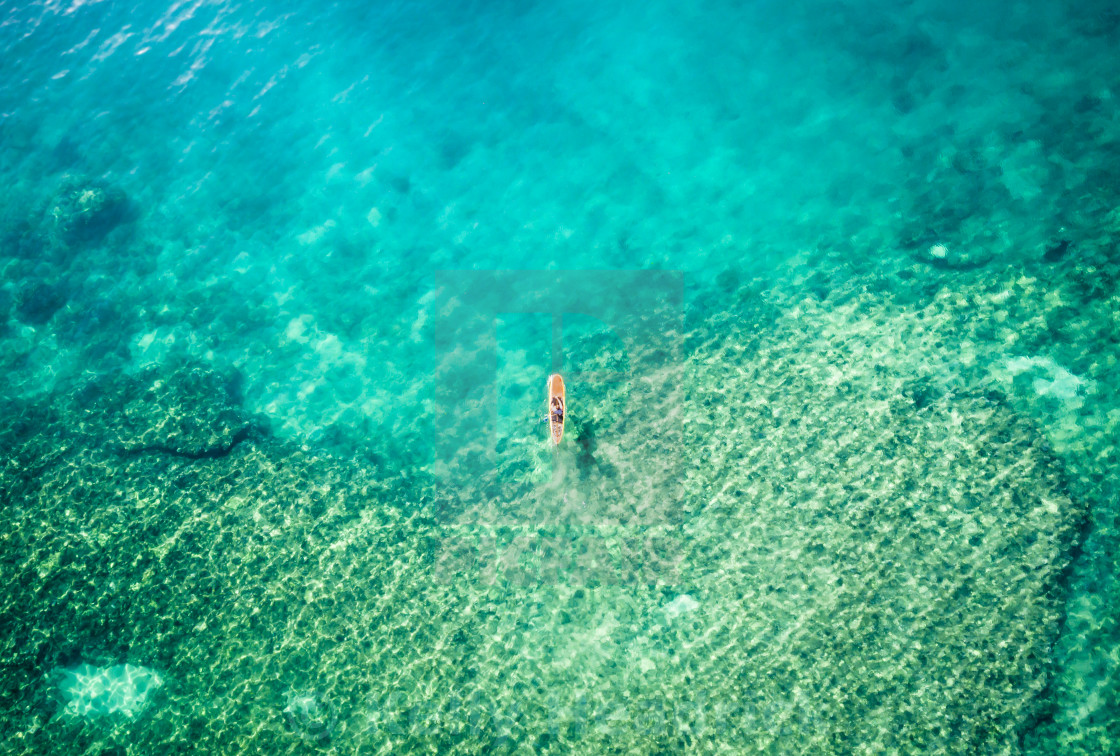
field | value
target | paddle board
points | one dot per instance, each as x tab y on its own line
556	407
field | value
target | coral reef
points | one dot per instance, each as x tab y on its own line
38	301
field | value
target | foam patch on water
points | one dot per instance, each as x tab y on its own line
95	691
1053	379
682	604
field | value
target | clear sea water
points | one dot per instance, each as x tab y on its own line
835	287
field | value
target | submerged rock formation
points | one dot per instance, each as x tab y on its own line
84	211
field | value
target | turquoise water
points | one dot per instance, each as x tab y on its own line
835	289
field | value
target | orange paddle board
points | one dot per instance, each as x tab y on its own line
556	407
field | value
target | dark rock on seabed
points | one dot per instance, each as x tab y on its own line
84	211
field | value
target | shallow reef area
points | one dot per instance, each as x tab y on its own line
872	553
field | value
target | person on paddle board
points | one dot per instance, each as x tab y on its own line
555	415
